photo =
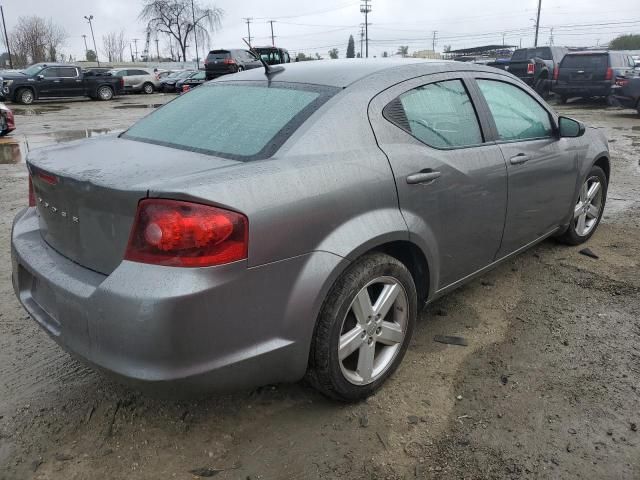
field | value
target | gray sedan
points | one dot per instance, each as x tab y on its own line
296	221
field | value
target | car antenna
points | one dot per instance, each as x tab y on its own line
268	69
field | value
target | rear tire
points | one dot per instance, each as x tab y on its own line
542	88
104	93
353	353
148	88
588	208
25	96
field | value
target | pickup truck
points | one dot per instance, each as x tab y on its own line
53	80
537	67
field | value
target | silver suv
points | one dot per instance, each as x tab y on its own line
138	80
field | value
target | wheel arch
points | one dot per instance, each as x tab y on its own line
25	87
603	162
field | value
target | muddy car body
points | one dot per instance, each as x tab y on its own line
304	239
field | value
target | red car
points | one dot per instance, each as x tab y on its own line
7	122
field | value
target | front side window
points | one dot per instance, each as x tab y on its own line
67	72
50	72
516	113
238	121
438	114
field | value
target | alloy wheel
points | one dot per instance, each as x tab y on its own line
373	330
587	210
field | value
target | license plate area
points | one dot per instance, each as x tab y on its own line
39	299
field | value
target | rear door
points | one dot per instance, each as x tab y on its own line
542	168
72	85
451	181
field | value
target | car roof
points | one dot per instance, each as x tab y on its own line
590	52
342	73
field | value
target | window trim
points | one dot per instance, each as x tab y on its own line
485	105
463	81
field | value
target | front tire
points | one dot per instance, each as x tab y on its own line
148	88
105	93
26	96
364	328
588	208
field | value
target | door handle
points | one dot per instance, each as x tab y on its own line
519	159
424	176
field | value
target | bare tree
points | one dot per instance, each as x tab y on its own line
35	39
113	45
176	19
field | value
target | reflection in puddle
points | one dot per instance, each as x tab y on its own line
38	109
14	149
138	105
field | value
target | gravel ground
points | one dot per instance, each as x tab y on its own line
548	386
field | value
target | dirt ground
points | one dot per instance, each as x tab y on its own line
548	387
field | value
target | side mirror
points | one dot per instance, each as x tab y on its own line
40	77
570	128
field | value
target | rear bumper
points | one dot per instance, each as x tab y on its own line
218	328
572	90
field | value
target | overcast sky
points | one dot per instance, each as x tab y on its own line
318	26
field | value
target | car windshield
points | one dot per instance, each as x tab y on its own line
32	70
528	53
591	62
237	121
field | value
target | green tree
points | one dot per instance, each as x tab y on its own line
625	42
333	53
351	48
91	56
403	50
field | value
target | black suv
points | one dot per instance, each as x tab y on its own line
537	67
222	62
591	73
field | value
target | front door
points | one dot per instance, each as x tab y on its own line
452	183
48	83
542	168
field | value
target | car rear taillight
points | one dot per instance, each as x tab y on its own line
32	195
609	75
185	234
229	61
121	82
556	72
531	68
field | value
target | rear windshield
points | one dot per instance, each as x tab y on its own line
247	121
528	53
219	54
586	62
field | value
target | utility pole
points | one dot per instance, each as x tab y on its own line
248	21
135	42
551	38
435	37
89	18
361	38
84	37
535	43
6	38
131	50
273	42
158	49
195	35
365	7
503	39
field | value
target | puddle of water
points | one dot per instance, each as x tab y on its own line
636	128
15	148
38	109
138	105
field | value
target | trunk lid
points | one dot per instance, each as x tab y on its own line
583	68
87	192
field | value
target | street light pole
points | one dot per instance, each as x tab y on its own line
535	43
84	37
95	49
195	34
6	38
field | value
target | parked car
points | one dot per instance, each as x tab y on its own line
138	80
297	227
591	73
537	67
273	55
223	62
192	81
98	70
53	80
168	84
7	120
626	92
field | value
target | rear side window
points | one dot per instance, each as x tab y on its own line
438	114
67	72
238	121
516	113
529	53
586	62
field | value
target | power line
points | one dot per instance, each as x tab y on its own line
319	12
